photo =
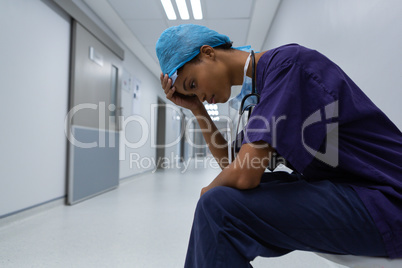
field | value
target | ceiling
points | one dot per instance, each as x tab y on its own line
139	23
151	14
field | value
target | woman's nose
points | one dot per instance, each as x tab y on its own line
201	97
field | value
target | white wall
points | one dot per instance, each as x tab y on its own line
364	37
34	69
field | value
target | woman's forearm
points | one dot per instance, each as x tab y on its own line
213	138
246	170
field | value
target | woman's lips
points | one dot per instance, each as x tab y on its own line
212	100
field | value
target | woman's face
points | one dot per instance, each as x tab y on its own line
208	79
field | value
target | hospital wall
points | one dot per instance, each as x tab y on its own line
34	69
363	37
34	81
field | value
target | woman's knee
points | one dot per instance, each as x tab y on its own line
217	202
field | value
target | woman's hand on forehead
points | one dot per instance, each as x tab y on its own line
189	102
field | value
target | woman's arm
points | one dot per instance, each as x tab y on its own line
246	170
213	138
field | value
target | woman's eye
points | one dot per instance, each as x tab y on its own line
192	86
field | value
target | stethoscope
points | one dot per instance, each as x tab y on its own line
249	107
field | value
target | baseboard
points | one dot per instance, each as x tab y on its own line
22	214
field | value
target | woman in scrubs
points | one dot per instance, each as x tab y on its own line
345	194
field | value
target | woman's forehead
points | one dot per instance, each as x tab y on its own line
178	84
189	68
182	74
189	71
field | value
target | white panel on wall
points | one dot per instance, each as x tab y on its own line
34	73
364	37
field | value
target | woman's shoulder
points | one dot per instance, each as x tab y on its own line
288	54
287	48
278	56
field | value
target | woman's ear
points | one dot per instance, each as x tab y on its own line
207	51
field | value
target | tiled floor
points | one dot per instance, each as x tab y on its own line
144	223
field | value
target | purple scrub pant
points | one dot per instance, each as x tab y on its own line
284	213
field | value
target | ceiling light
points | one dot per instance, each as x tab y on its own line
215	118
197	10
183	11
167	5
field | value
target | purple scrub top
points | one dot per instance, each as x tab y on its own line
323	124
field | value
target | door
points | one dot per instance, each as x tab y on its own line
93	122
160	133
182	135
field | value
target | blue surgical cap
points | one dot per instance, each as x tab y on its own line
179	44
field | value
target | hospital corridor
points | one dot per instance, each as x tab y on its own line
104	162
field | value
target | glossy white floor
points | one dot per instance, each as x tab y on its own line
144	223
